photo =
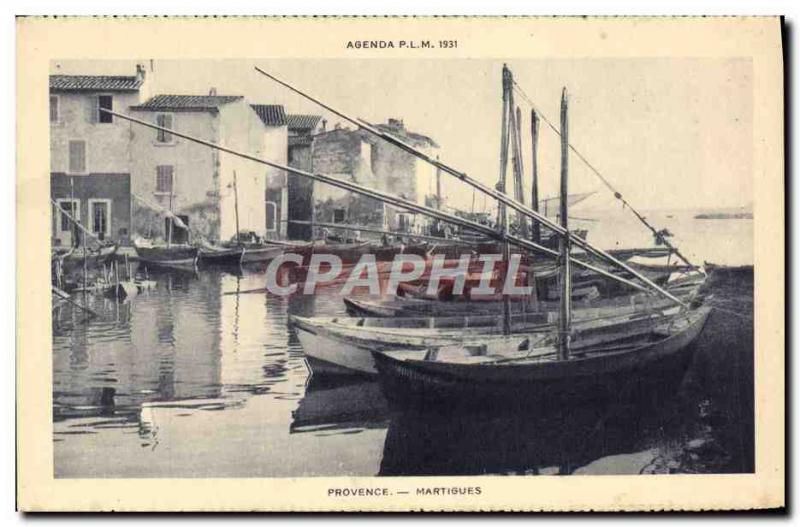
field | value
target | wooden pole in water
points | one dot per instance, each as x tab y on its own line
502	216
537	228
236	208
565	313
171	221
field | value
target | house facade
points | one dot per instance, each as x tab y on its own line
360	157
206	188
90	154
273	117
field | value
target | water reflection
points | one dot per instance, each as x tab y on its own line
191	379
334	403
463	444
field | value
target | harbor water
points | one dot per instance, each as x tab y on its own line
200	378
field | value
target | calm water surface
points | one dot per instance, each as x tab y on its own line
189	380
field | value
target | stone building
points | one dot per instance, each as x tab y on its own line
302	129
197	182
90	155
362	158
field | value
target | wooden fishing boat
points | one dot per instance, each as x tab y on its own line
346	346
221	255
478	375
404	306
173	256
264	253
241	255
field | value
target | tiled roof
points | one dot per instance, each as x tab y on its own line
271	114
187	102
409	137
95	83
300	140
302	122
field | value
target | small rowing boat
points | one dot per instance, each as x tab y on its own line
173	256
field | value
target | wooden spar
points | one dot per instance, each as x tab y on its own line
236	208
390	199
502	219
565	311
65	296
537	229
381	231
488	191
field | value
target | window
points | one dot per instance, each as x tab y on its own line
164	179
164	120
53	109
100	216
403	223
272	216
105	102
339	215
77	156
71	208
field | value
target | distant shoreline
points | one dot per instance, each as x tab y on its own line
725	216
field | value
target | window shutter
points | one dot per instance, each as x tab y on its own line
53	109
168	124
94	104
77	157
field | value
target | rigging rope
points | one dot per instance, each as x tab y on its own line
660	235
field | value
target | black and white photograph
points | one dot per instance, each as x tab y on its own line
388	346
397	263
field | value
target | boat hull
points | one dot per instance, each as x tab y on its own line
221	257
351	347
628	375
169	257
335	356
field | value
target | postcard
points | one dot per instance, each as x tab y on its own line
400	264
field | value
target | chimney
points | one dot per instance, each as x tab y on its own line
337	126
324	124
212	91
397	124
140	72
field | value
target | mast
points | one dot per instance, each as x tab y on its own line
502	219
516	153
438	186
537	229
565	311
236	208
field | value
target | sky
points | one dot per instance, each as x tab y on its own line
669	133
